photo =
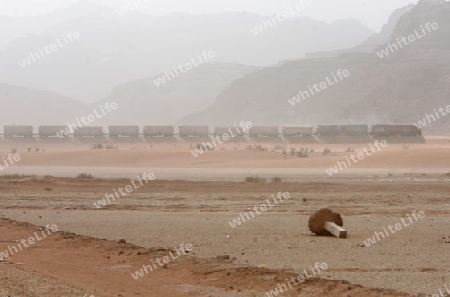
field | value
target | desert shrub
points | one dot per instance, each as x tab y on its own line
200	146
257	147
13	150
84	175
253	179
278	147
276	179
12	176
302	154
293	151
326	152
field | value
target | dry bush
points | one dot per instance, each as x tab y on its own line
85	175
253	179
13	176
276	179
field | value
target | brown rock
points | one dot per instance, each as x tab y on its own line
317	221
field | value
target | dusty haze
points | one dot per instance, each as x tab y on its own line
186	148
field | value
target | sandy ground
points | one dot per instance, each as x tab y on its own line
237	155
103	268
236	161
193	200
235	174
166	213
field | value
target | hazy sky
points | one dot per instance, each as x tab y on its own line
373	13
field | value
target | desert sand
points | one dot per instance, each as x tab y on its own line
193	200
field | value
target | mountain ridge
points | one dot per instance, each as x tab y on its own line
390	90
114	49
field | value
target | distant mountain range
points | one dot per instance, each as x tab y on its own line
140	101
374	41
114	49
402	87
23	106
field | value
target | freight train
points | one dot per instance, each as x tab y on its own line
289	131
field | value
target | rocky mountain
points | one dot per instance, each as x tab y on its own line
140	102
33	107
374	41
143	102
21	27
402	87
114	48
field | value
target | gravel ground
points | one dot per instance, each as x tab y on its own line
18	283
168	214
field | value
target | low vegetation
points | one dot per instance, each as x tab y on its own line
257	147
253	179
14	176
294	152
200	146
326	152
85	175
276	179
99	146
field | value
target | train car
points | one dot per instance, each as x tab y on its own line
95	131
263	131
396	130
53	131
158	131
123	131
18	131
219	131
297	131
343	130
194	131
